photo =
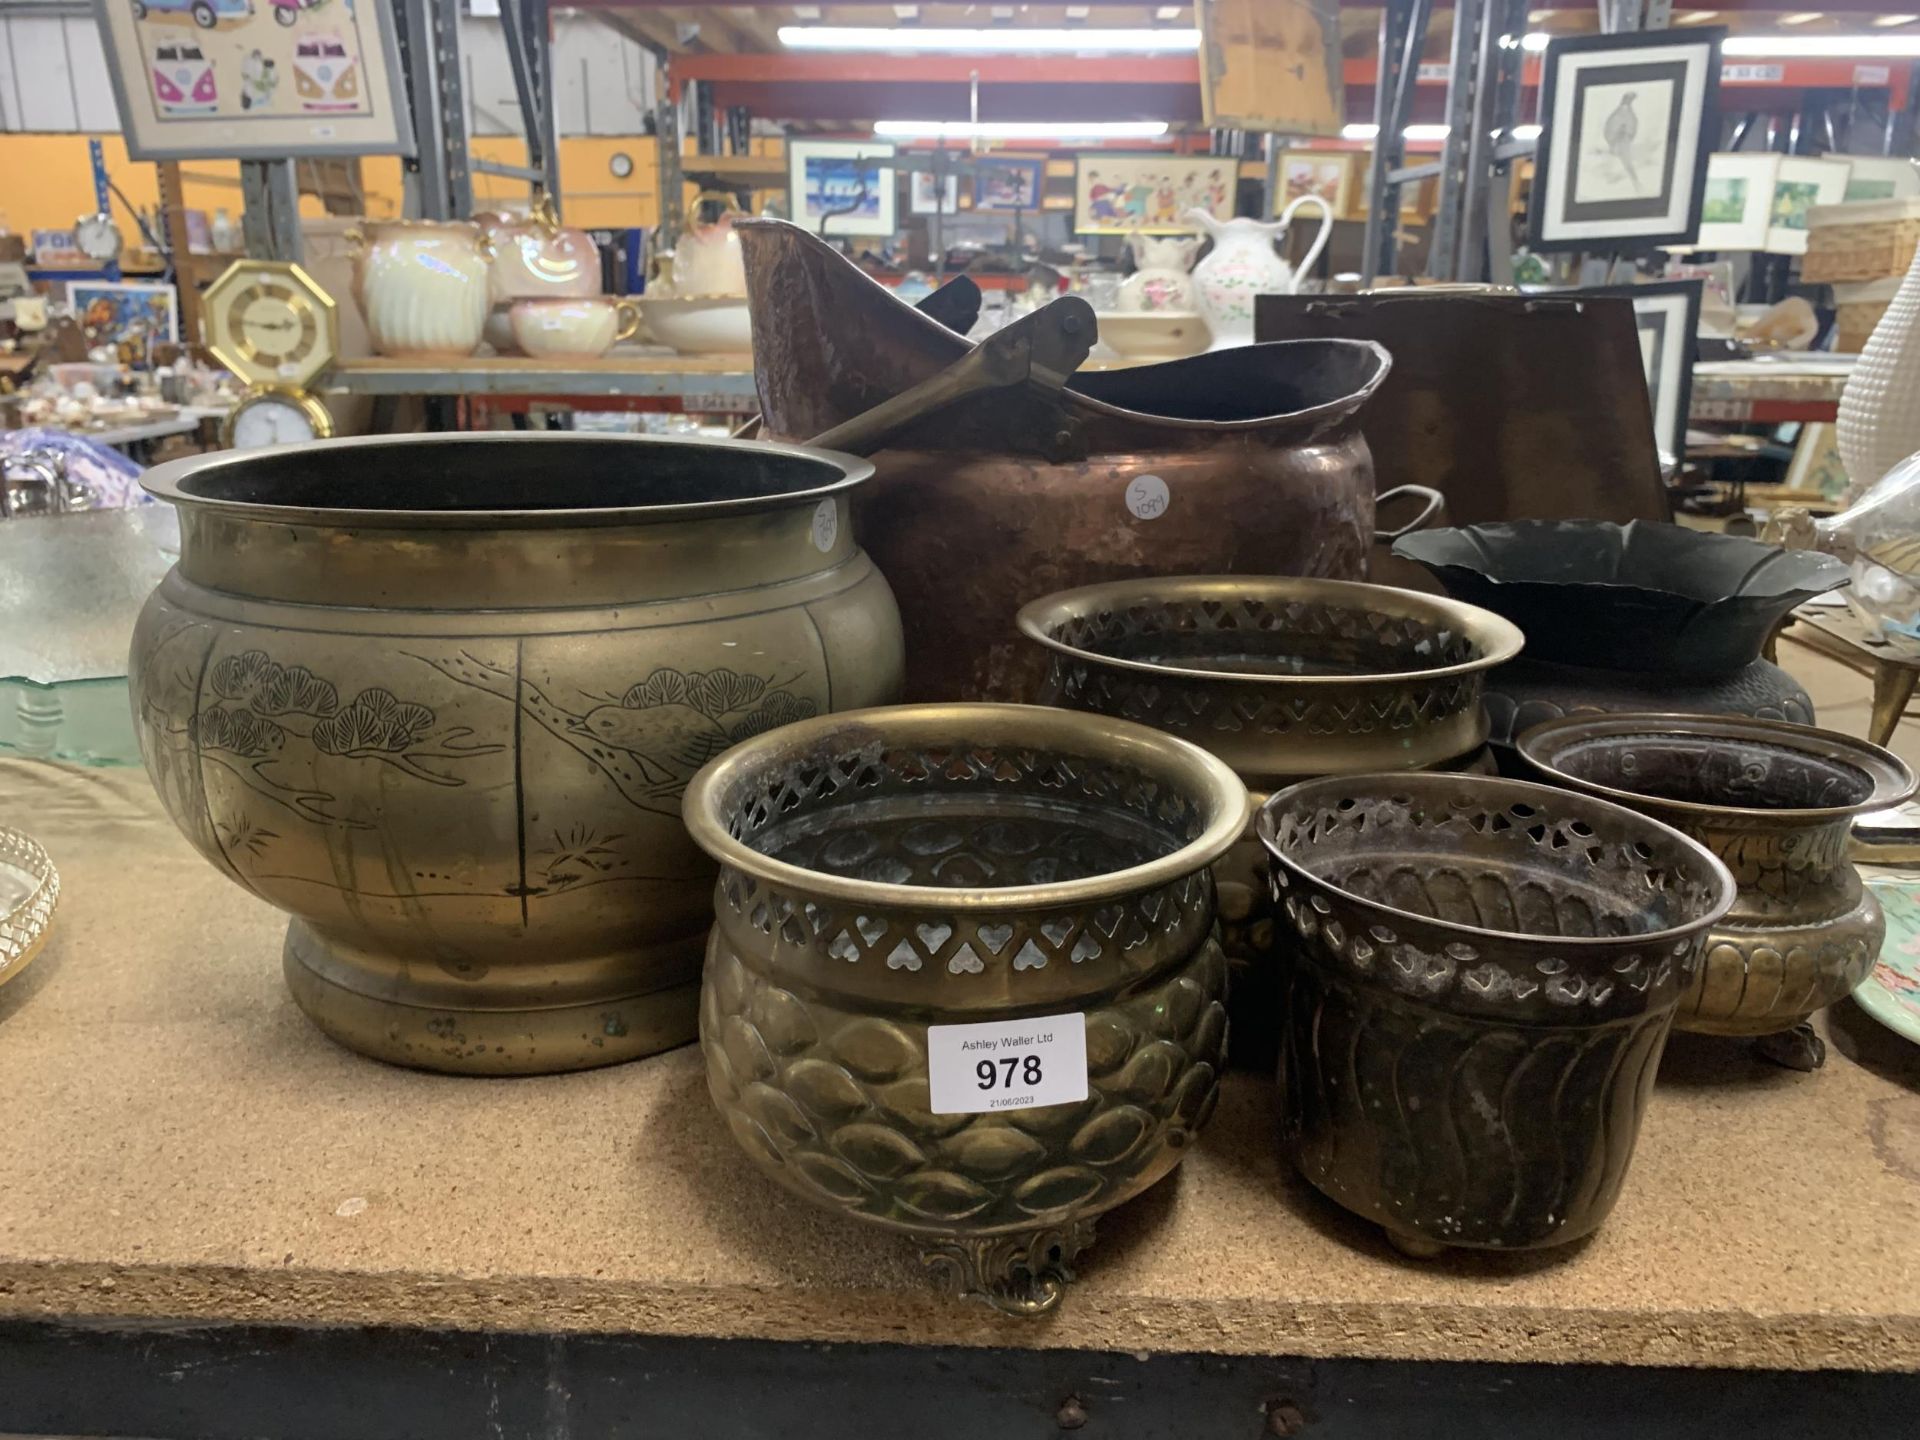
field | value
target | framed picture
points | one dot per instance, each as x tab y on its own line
925	198
1738	205
1008	184
1334	175
218	78
1880	177
120	310
1816	461
832	191
1118	194
1626	124
1666	314
1798	186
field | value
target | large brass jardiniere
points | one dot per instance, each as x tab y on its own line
1776	802
891	870
437	698
1284	678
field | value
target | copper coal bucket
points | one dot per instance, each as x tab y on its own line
1245	460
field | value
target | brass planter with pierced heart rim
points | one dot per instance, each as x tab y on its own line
885	871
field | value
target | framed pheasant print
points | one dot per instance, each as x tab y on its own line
1626	123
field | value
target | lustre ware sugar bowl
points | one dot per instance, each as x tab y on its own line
437	698
1776	803
1480	977
962	982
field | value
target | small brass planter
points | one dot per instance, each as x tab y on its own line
1775	802
882	871
1480	977
1285	679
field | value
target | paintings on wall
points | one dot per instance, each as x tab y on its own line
924	197
277	78
1626	120
113	312
1332	176
1007	183
1738	203
834	189
1117	194
1799	185
1881	177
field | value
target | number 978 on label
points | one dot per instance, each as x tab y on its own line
1007	1064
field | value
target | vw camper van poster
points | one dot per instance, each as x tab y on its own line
254	77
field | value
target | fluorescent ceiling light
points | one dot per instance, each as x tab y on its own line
1412	132
1020	129
1428	132
1789	47
1006	41
1534	40
1697	17
1888	20
1803	17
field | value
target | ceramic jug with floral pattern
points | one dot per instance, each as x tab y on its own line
1244	264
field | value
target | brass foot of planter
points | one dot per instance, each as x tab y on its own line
1414	1247
1023	1274
1796	1049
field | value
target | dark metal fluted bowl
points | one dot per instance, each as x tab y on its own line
1641	597
1480	977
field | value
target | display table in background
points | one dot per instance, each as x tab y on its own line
184	1150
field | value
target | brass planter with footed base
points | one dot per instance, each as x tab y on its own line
887	871
1776	803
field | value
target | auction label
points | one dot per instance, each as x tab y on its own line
1147	497
1007	1064
826	525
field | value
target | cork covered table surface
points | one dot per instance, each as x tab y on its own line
180	1144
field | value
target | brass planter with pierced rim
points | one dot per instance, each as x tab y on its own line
1285	679
437	698
885	871
1481	975
1774	801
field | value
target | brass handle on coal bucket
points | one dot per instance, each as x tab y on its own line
1436	502
1041	349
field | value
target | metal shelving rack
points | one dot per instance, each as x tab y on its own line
1471	241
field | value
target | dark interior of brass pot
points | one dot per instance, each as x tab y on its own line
1495	862
480	474
1254	637
961	817
1713	770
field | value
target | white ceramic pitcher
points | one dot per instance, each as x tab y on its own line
1245	264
